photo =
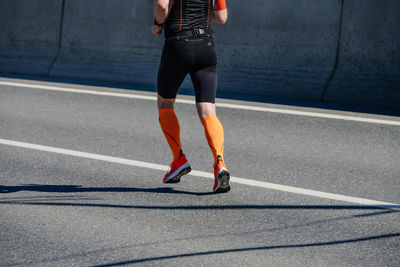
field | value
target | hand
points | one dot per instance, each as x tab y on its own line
156	30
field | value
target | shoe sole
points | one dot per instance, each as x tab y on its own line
177	178
223	179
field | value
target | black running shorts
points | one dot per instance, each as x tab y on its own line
196	56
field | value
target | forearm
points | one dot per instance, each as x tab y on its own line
220	13
161	10
220	16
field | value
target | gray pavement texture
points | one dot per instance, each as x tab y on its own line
58	210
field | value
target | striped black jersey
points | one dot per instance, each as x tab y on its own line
190	14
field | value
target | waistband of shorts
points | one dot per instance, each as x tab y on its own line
193	33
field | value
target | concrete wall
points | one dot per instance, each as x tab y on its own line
108	40
284	48
29	35
278	48
369	58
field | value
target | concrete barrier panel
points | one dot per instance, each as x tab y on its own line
278	48
369	61
268	48
283	48
29	35
109	40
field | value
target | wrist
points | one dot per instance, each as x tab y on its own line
158	24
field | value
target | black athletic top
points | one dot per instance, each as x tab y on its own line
190	14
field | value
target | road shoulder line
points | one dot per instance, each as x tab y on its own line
219	105
238	180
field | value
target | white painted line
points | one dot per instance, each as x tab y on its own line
244	181
225	105
73	90
311	114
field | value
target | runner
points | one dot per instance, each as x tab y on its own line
190	49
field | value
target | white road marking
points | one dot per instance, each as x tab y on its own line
244	181
225	105
73	90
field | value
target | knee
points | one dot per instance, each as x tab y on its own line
205	109
164	103
204	115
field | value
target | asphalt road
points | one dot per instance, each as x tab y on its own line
60	210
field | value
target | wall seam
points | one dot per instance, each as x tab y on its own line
59	38
338	48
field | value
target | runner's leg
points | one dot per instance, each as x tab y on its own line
204	78
170	125
215	138
205	84
213	129
174	65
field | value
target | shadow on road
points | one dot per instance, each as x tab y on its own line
70	200
80	189
203	253
199	207
159	190
38	201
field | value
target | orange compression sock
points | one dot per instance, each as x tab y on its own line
170	125
215	135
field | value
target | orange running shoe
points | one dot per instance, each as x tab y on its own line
178	167
221	177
